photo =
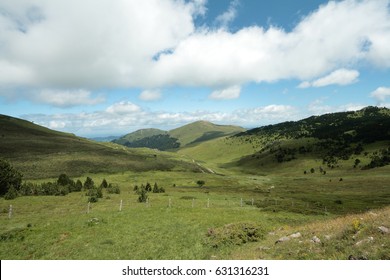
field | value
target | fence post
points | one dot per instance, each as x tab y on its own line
241	202
208	203
252	201
10	212
88	207
120	206
193	200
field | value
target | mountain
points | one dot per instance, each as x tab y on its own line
39	152
355	140
138	135
103	138
189	134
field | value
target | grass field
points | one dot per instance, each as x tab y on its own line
177	224
249	201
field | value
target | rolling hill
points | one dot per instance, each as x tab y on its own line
356	139
39	152
190	134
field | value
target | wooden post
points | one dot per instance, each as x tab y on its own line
120	206
241	202
193	201
10	212
147	202
89	206
208	203
253	201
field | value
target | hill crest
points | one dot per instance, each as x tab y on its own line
188	134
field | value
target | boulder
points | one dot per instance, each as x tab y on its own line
315	239
282	239
384	229
295	235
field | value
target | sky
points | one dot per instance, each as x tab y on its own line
110	67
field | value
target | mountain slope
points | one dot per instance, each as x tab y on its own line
192	133
138	135
39	152
201	131
354	140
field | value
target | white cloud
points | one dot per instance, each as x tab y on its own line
336	36
381	94
150	95
227	93
340	77
66	98
123	107
318	107
224	19
124	117
60	44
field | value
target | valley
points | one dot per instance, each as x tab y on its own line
326	177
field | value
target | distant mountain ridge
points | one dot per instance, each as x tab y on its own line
192	133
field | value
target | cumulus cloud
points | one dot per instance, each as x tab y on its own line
150	95
123	117
340	77
227	93
357	32
318	107
67	98
381	94
123	107
52	44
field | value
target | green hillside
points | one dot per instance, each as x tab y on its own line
201	131
353	140
39	152
138	135
190	134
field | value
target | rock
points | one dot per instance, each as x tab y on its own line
315	239
295	235
282	239
384	229
367	240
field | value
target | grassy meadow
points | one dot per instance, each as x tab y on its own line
264	197
192	222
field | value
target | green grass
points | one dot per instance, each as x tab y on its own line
247	193
61	228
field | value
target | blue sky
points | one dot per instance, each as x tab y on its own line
111	67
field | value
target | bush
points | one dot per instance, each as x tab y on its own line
143	195
200	183
234	234
113	189
11	194
89	184
93	199
104	184
9	177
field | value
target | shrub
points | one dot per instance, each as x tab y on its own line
8	177
234	234
11	194
143	196
113	189
104	184
200	183
89	184
93	199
